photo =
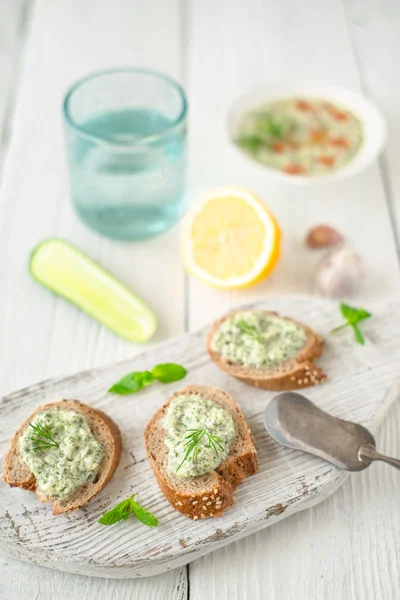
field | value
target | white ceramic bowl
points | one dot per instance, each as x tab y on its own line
374	126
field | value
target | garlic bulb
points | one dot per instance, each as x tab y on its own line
339	273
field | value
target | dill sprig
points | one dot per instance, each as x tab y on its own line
191	445
42	437
250	330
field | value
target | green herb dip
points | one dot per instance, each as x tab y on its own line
300	136
61	470
191	411
274	339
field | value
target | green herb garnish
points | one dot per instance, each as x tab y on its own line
250	330
269	130
353	316
42	437
133	382
125	508
191	446
272	127
251	143
168	372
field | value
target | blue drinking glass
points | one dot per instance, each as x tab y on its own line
126	151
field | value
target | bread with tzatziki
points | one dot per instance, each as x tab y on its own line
265	350
56	454
209	493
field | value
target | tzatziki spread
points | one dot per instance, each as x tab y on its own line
257	339
71	461
188	412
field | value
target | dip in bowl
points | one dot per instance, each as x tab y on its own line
307	134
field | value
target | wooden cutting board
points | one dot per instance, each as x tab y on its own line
363	382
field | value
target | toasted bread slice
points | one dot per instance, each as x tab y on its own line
293	374
17	473
211	494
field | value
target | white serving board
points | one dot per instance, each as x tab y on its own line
363	383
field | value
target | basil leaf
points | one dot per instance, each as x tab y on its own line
168	372
143	515
116	514
133	382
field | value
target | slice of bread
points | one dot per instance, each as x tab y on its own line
293	374
211	494
17	473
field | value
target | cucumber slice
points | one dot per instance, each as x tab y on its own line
65	270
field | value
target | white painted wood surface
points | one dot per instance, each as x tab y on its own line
66	40
347	547
13	23
374	34
287	481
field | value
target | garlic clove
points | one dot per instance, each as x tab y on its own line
339	273
322	236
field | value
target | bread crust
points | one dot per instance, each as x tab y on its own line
111	437
229	474
301	371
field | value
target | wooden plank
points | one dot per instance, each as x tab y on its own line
286	482
41	335
13	22
23	580
234	47
374	33
373	29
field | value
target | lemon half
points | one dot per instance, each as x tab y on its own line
230	238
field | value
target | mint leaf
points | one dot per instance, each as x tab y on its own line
353	316
168	372
363	314
143	515
125	508
348	311
116	514
358	335
131	383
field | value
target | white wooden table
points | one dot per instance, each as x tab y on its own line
349	546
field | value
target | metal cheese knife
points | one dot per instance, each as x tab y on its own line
294	421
